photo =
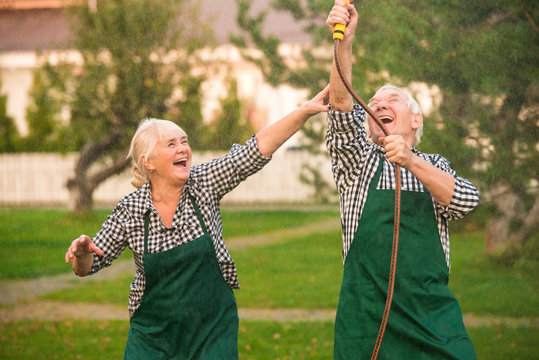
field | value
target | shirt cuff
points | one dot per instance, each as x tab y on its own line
347	121
249	154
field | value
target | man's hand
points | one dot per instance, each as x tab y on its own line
439	183
398	151
343	13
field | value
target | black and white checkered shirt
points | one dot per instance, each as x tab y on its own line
354	162
207	184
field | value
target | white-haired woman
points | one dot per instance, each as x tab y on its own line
181	301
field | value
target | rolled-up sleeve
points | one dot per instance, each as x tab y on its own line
346	140
111	239
225	173
465	194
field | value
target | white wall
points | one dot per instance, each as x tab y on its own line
40	179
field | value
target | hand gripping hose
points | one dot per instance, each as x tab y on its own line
338	35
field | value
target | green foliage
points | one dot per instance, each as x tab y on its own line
8	131
313	75
46	131
126	75
135	56
189	115
482	56
231	124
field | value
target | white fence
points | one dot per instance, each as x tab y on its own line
40	179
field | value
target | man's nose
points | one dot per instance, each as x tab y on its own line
382	105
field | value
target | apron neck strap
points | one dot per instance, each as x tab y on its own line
199	214
146	230
147	222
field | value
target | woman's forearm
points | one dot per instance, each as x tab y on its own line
82	264
273	136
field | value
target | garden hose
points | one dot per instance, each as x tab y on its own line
338	36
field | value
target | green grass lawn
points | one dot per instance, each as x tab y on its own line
33	241
96	340
307	272
300	272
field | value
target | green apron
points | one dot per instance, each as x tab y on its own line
187	310
425	320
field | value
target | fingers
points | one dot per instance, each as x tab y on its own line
323	96
397	150
339	14
83	244
96	250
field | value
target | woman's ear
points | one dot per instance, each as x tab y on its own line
150	168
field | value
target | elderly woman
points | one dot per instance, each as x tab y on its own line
181	302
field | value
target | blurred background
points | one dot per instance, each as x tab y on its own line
78	76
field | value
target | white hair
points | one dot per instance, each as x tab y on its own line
149	132
413	106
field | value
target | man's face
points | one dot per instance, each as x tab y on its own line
391	107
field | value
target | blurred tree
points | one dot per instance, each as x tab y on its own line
8	132
483	56
134	55
231	124
45	128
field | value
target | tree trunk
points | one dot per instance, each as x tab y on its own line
515	225
80	197
82	186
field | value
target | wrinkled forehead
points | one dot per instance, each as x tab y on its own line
387	94
167	131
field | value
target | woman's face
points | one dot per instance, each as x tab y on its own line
171	158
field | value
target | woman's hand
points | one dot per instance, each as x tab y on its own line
80	253
81	247
317	104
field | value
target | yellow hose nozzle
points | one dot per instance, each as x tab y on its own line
338	33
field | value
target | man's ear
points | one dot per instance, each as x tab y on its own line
417	121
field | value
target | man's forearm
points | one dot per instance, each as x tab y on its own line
339	97
440	184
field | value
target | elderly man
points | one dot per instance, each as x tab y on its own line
424	320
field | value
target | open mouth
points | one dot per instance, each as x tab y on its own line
181	162
386	119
